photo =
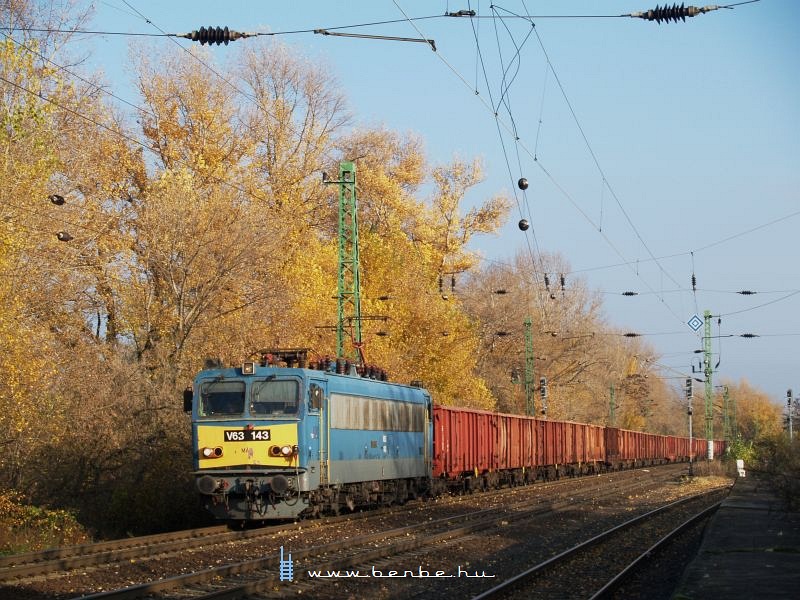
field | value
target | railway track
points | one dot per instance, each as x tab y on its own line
17	566
372	537
606	560
20	567
361	552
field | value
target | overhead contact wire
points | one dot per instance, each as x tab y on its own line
538	162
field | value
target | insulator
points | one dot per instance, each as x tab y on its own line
546	282
630	293
522	183
460	13
672	13
214	35
749	335
631	334
747	292
523	224
563	281
56	199
440	284
63	236
453	283
694	283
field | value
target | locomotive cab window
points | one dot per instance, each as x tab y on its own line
274	398
221	399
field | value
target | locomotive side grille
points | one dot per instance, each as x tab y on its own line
375	414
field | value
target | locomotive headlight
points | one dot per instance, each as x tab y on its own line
211	452
290	451
286	451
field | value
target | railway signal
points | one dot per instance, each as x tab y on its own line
543	394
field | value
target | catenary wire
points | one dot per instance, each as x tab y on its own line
205	64
338	27
539	163
782	298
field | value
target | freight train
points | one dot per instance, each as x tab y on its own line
283	438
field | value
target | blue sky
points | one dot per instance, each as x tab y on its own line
650	141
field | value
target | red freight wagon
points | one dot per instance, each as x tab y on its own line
719	448
633	448
700	448
675	448
517	446
550	444
583	448
481	448
594	448
484	448
476	448
460	441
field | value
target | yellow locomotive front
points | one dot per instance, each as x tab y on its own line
247	427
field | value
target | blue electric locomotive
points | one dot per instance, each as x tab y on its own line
275	439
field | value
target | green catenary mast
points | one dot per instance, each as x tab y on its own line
709	386
530	402
348	294
726	424
612	407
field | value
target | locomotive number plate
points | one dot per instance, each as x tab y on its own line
246	435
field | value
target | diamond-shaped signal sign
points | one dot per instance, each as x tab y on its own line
695	323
